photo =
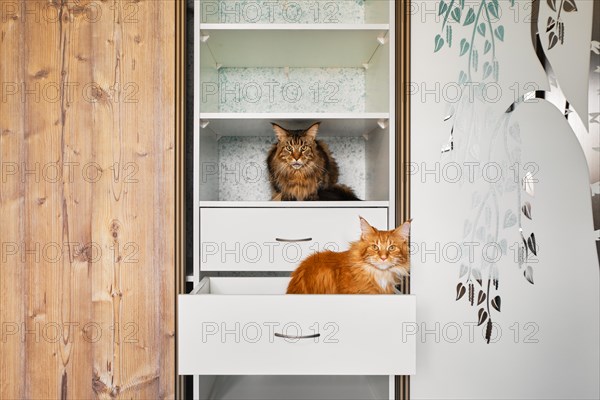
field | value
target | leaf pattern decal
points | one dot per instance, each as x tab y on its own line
569	6
496	303
460	291
552	40
477	275
503	247
521	256
550	24
439	42
527	209
471	293
481	29
482	316
478	50
531	244
488	331
456	14
525	246
528	181
510	218
499	32
464	47
493	8
470	18
481	297
487	70
442	8
529	274
487	47
555	27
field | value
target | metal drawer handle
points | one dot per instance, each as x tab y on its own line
294	240
281	335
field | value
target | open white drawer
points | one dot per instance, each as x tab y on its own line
249	326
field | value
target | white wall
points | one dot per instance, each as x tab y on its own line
546	336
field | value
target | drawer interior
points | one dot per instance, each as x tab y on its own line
237	286
264	387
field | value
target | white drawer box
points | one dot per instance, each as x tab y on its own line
277	239
238	326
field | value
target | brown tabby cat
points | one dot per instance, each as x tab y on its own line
302	167
372	265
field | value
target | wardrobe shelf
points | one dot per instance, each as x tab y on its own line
298	116
293	204
258	124
303	45
294	27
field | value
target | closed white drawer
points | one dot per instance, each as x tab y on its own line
234	326
277	239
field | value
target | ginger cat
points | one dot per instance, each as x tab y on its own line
372	265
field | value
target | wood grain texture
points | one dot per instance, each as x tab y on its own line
12	147
403	23
87	276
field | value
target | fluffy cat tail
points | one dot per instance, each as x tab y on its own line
337	192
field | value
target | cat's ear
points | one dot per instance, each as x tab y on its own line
365	228
280	132
311	132
403	230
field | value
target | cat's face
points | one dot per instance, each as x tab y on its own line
296	149
385	249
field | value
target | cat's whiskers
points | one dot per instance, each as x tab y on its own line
315	169
280	170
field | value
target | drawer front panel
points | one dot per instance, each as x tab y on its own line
277	239
242	335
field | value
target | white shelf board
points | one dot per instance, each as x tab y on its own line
294	204
264	387
293	27
293	116
259	124
302	45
